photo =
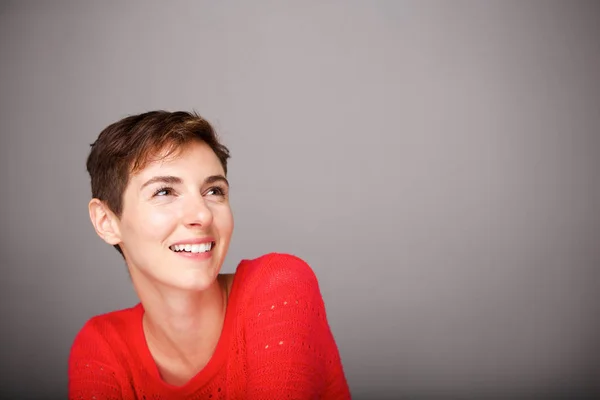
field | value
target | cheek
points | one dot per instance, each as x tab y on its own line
154	223
223	219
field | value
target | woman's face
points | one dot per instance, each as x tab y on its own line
176	223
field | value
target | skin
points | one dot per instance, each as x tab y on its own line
184	298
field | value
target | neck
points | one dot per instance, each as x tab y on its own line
182	328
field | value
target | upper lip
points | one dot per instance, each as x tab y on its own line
207	239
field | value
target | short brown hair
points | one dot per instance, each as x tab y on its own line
127	145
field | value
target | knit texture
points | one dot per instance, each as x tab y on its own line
276	343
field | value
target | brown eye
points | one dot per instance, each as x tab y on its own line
215	191
166	191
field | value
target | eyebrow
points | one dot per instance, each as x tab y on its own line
173	180
216	178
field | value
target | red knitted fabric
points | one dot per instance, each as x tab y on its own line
276	343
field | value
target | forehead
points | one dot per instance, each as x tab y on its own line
192	158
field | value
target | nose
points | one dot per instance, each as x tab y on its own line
197	213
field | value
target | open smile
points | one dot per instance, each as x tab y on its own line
193	248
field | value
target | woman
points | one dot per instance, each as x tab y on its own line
161	197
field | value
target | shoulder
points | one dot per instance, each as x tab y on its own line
98	358
112	322
104	330
277	276
278	269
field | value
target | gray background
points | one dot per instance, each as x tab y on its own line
435	162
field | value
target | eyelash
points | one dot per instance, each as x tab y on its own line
219	191
163	189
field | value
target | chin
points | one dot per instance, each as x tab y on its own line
199	286
184	272
196	280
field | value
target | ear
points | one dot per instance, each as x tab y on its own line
105	222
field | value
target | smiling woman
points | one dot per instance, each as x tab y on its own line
160	196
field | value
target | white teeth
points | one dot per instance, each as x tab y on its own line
203	247
193	248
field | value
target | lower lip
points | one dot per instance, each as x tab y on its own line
195	256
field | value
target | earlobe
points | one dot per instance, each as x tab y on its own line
104	221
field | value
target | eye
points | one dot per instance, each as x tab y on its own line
215	191
163	191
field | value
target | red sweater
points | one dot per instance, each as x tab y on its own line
276	343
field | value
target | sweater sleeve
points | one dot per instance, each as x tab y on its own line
93	370
291	351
